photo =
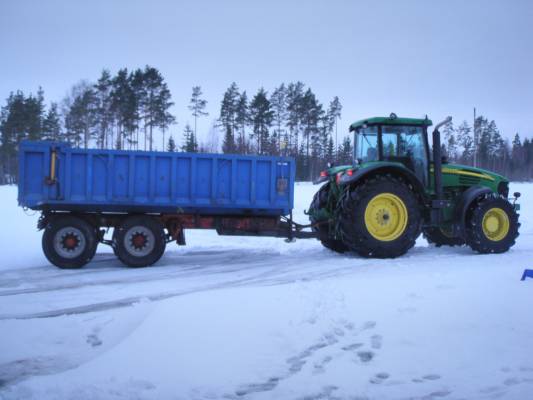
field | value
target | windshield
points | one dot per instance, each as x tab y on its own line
366	144
400	143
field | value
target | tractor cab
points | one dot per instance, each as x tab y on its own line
397	140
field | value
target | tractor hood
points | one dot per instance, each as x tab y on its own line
464	175
471	172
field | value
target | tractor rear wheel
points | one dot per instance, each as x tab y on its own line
320	200
380	217
440	237
492	225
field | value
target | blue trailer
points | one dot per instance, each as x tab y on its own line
149	199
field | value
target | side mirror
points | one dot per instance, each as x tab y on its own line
516	195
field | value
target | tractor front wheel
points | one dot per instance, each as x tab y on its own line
380	217
492	225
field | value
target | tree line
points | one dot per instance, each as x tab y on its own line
131	110
482	145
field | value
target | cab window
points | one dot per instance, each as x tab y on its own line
406	145
366	144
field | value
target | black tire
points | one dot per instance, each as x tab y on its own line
439	238
69	242
351	220
478	238
139	241
320	200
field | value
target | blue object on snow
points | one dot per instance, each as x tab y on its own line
528	273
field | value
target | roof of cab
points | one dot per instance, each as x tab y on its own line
391	120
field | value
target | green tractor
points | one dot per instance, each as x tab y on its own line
394	191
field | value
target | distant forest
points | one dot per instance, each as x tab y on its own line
131	110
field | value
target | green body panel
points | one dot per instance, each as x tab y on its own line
391	121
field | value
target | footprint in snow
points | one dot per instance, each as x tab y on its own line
369	325
511	382
365	356
437	394
258	387
425	378
379	378
375	341
431	377
352	346
93	340
319	367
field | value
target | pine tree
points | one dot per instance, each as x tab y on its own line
466	142
52	124
190	144
125	108
450	141
310	117
171	145
261	116
278	100
197	105
139	91
242	119
104	113
155	104
294	114
13	129
34	106
80	120
346	151
334	113
227	118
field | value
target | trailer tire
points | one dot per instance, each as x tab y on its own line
69	242
139	241
379	217
320	200
491	225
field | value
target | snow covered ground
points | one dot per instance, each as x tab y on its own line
258	318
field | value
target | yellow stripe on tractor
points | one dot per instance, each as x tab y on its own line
466	173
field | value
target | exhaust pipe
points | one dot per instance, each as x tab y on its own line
437	159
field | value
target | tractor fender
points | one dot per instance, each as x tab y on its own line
381	169
465	201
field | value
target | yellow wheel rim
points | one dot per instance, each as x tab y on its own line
386	217
495	224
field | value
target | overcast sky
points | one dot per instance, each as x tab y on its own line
409	57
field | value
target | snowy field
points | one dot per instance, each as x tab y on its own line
258	318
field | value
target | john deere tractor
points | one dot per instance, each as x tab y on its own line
394	191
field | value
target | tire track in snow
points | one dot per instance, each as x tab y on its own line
163	273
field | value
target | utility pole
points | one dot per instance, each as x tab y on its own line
475	139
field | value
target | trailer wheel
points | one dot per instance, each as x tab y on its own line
492	225
69	242
380	217
439	237
320	200
139	241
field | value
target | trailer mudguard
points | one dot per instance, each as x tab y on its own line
465	201
381	169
